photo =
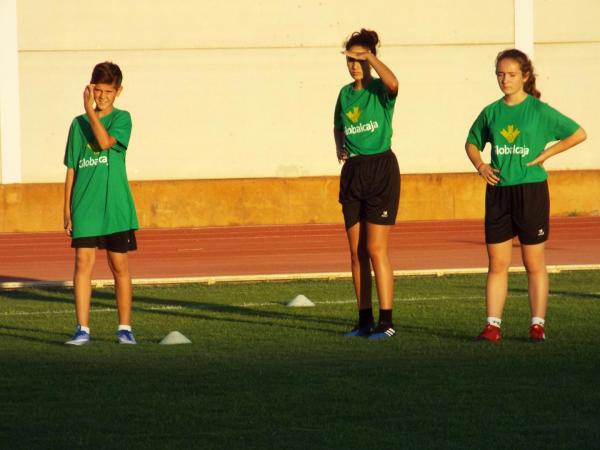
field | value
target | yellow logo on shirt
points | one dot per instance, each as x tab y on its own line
354	115
510	133
96	151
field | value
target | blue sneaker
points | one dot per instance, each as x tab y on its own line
360	330
79	338
126	337
382	331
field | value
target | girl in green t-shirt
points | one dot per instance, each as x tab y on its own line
518	126
370	178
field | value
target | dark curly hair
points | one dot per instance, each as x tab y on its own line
365	38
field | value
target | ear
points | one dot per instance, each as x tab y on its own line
119	90
526	77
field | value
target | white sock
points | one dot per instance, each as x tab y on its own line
86	329
538	321
124	327
495	321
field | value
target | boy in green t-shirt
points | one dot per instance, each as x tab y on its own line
99	211
518	126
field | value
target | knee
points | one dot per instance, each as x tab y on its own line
534	262
499	265
84	262
119	268
376	250
535	267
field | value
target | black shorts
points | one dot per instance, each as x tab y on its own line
121	242
522	210
370	189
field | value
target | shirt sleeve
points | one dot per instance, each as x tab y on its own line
120	129
557	126
71	148
479	132
387	99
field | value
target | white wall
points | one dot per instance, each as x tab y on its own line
10	132
568	65
247	89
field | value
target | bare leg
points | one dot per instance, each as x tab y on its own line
119	265
500	256
361	267
535	263
377	246
82	284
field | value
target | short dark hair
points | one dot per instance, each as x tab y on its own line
107	73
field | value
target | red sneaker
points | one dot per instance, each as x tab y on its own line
490	333
536	333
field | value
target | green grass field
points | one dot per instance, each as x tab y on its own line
260	375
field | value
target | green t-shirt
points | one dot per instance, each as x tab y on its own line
365	115
518	134
101	201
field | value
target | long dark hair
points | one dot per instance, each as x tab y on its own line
526	68
364	38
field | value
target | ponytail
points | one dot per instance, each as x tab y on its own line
526	68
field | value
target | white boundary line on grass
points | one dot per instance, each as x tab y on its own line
282	277
254	305
94	310
202	307
345	302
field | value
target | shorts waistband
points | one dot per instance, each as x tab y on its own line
370	157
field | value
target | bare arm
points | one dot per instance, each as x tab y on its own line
339	137
486	171
67	205
387	76
576	138
104	140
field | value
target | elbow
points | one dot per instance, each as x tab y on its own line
107	144
582	135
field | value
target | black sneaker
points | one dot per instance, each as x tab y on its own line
382	331
360	330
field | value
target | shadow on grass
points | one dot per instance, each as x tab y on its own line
40	294
14	333
435	331
565	294
193	309
249	317
58	338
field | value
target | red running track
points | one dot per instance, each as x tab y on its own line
292	249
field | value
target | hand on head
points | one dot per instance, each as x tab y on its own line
88	96
360	56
